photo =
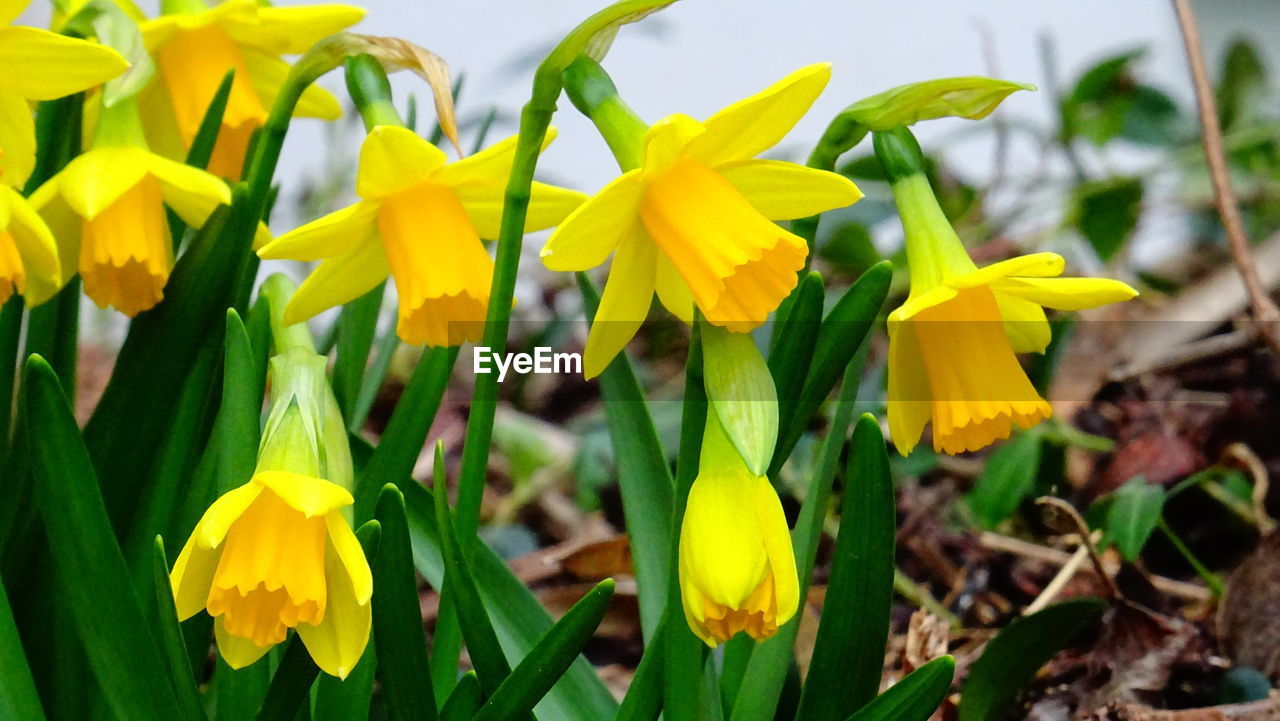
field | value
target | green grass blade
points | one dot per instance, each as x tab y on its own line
536	674
202	145
406	431
357	324
840	336
171	645
291	685
644	699
123	654
465	701
446	645
18	697
848	653
403	667
792	351
384	351
349	699
643	476
1014	656
915	697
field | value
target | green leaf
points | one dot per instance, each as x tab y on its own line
915	697
206	136
349	699
357	323
178	669
238	693
482	642
384	352
1014	656
465	700
850	248
119	32
291	684
123	654
848	652
1242	89
1008	477
740	388
644	476
18	697
1107	212
403	666
551	657
839	337
792	342
965	97
763	683
644	698
1133	515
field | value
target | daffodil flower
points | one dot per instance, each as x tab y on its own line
274	554
194	47
106	210
36	64
952	344
28	254
421	220
737	567
694	221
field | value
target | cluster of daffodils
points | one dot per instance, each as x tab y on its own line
692	219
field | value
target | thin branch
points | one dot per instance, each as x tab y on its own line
1264	308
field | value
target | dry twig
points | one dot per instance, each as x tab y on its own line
1265	312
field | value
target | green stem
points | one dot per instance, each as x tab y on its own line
371	91
593	93
1209	577
278	289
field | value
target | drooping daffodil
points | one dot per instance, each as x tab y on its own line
420	219
194	46
737	566
694	221
952	344
36	64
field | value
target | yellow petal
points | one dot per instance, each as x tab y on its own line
338	641
665	142
339	280
592	231
11	9
721	538
192	193
351	556
548	205
753	125
267	75
909	396
493	164
777	547
95	180
17	140
306	495
1035	265
217	520
1025	324
393	159
65	225
53	65
785	191
290	30
35	242
624	304
673	291
236	651
1065	293
334	234
192	576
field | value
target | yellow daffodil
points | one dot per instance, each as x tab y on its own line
106	210
693	222
737	567
952	344
194	47
36	64
421	220
278	552
28	255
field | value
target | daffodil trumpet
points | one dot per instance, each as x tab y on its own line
953	343
278	553
737	568
106	209
692	218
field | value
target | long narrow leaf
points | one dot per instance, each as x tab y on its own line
171	645
123	654
915	697
290	684
18	698
465	701
848	653
357	324
539	670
